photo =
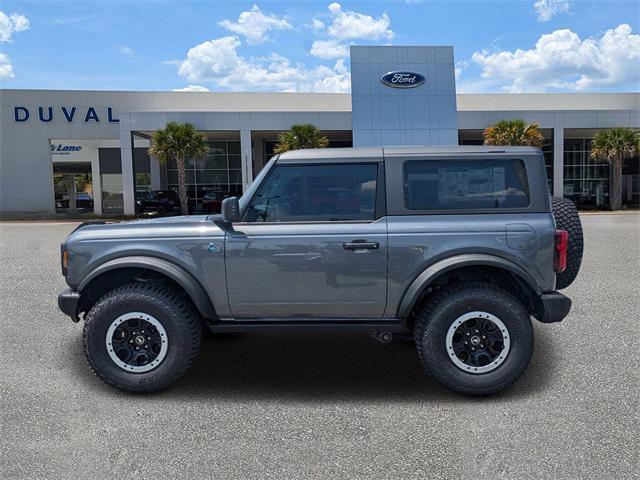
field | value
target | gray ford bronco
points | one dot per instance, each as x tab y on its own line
457	246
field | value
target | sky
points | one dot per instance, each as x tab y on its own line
303	46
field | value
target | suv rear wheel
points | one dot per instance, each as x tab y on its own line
141	337
474	338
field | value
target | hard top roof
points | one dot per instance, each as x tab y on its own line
376	154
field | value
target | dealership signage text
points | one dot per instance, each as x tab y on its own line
66	113
61	149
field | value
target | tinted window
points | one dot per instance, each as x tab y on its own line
316	193
465	184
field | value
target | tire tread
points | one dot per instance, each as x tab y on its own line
157	292
567	218
424	318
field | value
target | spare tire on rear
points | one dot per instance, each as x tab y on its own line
567	218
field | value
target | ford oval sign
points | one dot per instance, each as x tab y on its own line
401	79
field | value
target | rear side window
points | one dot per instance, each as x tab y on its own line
465	184
316	193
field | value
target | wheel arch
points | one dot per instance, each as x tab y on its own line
131	268
416	291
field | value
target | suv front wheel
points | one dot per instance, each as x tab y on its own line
141	337
474	338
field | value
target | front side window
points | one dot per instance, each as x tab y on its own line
465	184
316	193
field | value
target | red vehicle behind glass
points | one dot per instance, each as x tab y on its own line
212	200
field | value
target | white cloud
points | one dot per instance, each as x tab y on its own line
10	24
127	51
6	69
192	88
547	9
336	79
218	61
317	25
329	49
254	25
346	25
460	67
562	60
210	59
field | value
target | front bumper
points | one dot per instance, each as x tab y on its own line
68	303
554	306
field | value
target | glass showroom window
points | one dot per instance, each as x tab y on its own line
112	199
142	169
143	182
220	172
586	181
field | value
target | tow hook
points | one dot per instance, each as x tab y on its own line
382	337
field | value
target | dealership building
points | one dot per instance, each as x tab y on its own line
66	151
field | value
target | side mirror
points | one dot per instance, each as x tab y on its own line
231	209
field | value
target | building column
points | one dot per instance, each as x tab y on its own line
96	184
247	158
558	162
126	159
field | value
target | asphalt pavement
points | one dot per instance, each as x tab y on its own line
322	405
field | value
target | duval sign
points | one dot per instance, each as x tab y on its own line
65	113
403	79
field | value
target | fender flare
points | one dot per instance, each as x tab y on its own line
176	273
422	281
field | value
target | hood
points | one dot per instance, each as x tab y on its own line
182	226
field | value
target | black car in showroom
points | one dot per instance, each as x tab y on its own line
157	201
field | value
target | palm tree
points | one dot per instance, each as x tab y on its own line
179	141
514	132
299	137
614	146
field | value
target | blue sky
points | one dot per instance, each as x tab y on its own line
500	46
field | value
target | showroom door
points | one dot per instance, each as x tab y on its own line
73	187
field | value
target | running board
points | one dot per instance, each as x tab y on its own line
333	324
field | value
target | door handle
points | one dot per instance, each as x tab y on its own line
361	245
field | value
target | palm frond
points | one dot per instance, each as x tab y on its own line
300	137
514	132
615	145
178	141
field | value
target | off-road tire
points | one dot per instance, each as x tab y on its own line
567	218
176	314
437	314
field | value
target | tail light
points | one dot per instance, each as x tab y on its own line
560	251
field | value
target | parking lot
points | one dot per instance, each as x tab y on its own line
322	405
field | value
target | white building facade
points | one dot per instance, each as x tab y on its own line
68	151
